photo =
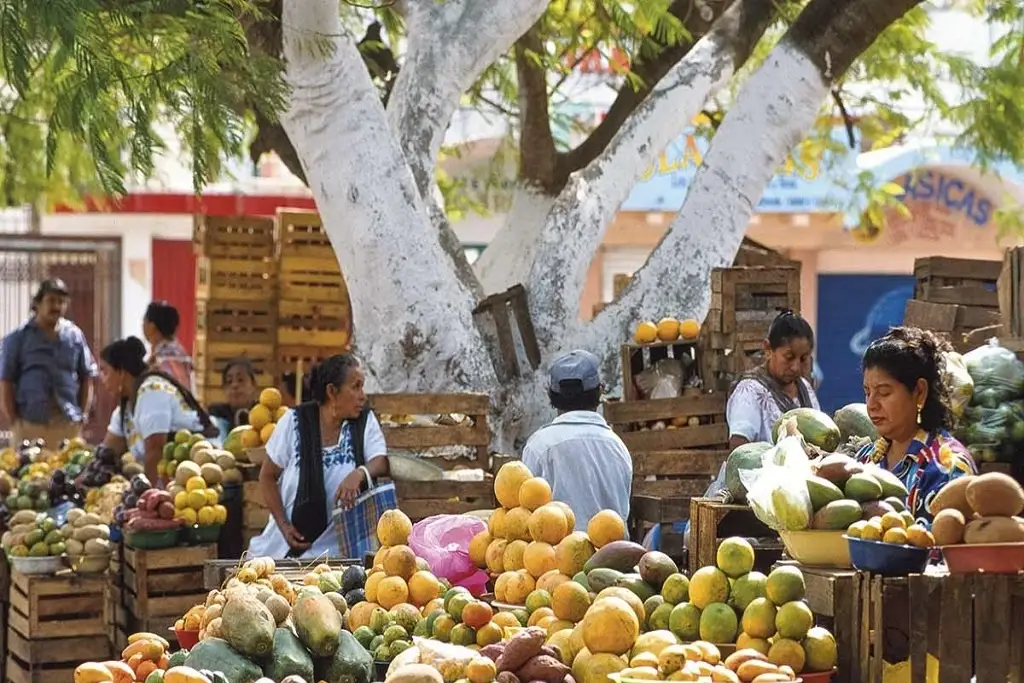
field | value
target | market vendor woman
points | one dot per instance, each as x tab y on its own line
759	398
908	402
337	434
153	406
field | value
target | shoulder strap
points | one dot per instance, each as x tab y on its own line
209	429
358	436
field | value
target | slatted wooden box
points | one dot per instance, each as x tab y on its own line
230	279
476	433
422	499
54	623
711	522
161	585
327	325
637	358
211	359
235	322
691	421
234	237
964	282
951	321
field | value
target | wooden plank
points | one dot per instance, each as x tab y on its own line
664	488
992	603
621	412
72	651
430	404
432	437
233	236
444	489
676	439
920	596
959	268
668	463
955	629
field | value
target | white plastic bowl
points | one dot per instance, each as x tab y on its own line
37	565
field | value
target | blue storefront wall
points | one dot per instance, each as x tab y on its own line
854	310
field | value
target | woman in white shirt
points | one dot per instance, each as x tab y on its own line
759	398
322	452
153	405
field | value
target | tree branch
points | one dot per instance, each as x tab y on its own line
576	224
775	108
537	153
406	298
851	133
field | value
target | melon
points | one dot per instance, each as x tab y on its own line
745	457
853	421
816	427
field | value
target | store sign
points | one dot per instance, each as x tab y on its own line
948	192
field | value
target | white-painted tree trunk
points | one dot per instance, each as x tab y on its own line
507	258
411	315
582	213
773	111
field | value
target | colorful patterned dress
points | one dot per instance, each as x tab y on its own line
931	461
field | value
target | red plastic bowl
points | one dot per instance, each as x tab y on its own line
186	639
991	558
816	677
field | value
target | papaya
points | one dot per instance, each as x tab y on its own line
862	488
837	515
890	483
853	421
837	468
248	626
290	658
816	427
745	457
822	491
351	663
317	624
91	672
218	655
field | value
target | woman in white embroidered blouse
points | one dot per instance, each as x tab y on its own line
759	398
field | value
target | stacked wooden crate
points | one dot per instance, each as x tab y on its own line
954	297
236	289
744	301
314	317
54	624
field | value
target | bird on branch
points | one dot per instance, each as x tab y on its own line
379	58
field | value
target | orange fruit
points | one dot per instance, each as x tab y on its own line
534	492
646	333
689	330
668	329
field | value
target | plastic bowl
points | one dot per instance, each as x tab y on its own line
50	564
87	564
818	548
197	535
887	559
816	676
991	558
186	639
152	540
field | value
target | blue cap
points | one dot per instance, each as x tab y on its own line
574	373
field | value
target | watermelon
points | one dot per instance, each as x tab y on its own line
853	420
816	427
745	457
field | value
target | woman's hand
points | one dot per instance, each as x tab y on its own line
350	489
292	537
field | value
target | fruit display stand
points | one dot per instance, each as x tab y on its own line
712	521
236	286
694	420
834	597
422	499
161	585
473	433
217	572
744	301
53	624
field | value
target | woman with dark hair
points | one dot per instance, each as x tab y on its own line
242	393
759	398
908	402
153	406
159	326
334	439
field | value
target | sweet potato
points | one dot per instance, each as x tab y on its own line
492	652
543	668
520	648
507	677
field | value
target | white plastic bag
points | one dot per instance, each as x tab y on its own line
959	381
777	492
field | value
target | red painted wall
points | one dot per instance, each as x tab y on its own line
174	280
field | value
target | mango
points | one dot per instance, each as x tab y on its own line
839	514
92	672
862	488
822	491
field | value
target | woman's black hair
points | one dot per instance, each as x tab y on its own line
244	363
788	326
164	317
908	354
330	373
126	354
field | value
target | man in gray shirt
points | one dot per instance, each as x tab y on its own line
46	371
584	461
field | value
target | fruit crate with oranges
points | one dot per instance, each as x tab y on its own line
695	420
53	624
712	521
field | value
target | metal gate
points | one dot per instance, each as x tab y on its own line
91	267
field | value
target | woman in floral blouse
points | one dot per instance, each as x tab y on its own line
160	325
908	402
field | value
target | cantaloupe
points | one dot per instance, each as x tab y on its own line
393	528
610	626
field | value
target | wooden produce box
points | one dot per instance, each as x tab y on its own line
692	421
834	597
310	323
744	301
951	321
475	434
309	268
234	237
54	623
957	281
244	323
422	499
255	513
711	522
636	358
116	613
217	572
236	279
161	585
212	357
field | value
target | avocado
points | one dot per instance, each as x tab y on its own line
34	537
40	549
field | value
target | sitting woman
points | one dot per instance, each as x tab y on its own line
159	326
242	393
334	438
908	402
153	406
759	398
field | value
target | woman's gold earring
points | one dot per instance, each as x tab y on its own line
919	414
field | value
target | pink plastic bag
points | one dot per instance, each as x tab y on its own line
443	541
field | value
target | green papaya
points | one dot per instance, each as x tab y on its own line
351	663
317	623
217	655
290	658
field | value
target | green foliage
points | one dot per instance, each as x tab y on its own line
90	83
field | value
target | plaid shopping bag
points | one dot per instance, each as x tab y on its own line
356	527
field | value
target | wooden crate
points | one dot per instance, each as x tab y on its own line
325	324
300	233
217	572
304	278
413	438
834	597
632	421
711	522
504	321
670	513
422	499
291	358
231	237
255	513
965	282
746	300
164	584
240	322
232	279
951	321
52	660
686	473
211	358
636	358
65	605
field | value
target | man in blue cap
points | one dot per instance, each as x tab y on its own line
586	463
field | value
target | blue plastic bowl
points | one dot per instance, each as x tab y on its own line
887	559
